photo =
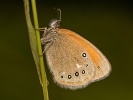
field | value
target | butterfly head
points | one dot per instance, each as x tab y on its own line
55	23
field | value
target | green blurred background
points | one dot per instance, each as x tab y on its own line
107	24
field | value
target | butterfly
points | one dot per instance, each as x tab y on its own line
73	60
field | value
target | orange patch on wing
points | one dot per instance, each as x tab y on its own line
88	47
78	83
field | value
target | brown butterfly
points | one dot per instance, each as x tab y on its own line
73	60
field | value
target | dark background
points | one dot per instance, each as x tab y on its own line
107	24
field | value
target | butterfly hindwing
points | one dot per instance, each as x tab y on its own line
70	64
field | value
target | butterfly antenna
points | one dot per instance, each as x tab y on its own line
59	13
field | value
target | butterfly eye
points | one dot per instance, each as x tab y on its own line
83	72
76	74
84	54
69	76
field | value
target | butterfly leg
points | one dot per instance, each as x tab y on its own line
46	31
41	29
49	43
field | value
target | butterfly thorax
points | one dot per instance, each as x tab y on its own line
51	33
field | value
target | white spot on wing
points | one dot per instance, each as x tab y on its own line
78	66
63	73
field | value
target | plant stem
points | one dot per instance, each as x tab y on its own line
35	43
43	74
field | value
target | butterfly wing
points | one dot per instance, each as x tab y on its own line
70	64
102	65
